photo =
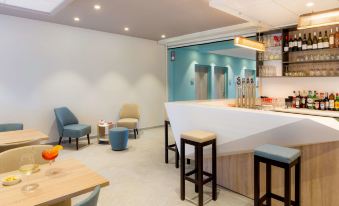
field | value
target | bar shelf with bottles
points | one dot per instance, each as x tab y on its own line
303	53
311	52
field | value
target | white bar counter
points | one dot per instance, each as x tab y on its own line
240	130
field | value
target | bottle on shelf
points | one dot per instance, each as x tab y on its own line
286	45
290	44
322	101
316	101
331	39
309	42
327	101
336	103
331	102
297	100
299	44
336	38
304	43
294	99
295	43
320	41
303	99
310	99
315	41
326	41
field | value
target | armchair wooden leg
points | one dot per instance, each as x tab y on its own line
89	142
69	140
137	131
60	139
77	143
135	134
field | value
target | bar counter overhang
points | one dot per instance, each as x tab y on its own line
240	130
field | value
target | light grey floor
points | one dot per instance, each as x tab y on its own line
138	176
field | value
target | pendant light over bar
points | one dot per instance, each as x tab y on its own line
249	44
317	19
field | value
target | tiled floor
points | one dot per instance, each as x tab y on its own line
138	176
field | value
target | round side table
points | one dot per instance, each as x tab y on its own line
103	129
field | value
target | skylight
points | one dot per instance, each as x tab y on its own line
46	6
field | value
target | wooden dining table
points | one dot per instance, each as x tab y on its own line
19	136
73	179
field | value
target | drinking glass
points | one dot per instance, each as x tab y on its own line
27	168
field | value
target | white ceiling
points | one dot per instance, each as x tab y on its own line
272	13
237	52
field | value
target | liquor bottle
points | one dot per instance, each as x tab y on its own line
331	102
327	102
297	100
290	44
336	103
286	47
300	41
316	101
304	43
336	38
294	99
303	99
295	43
310	102
322	101
309	42
326	42
332	39
315	41
320	41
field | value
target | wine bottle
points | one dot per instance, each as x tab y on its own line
295	43
300	42
336	38
326	42
286	47
322	101
290	44
297	100
309	42
336	103
310	103
315	41
304	43
331	102
332	39
320	41
327	102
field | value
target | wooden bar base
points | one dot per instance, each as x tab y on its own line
319	175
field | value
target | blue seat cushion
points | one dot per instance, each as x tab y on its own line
118	137
277	153
76	130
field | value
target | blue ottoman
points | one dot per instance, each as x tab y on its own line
118	137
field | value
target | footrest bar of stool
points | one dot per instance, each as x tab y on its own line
207	174
191	172
207	180
190	179
172	149
280	198
172	145
263	199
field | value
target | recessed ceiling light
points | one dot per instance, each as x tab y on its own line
77	19
310	4
97	7
163	36
126	29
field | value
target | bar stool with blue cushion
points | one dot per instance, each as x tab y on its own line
281	157
118	137
11	127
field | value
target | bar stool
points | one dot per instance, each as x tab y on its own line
171	147
199	139
281	157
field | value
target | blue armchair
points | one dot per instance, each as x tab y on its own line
91	200
68	126
11	127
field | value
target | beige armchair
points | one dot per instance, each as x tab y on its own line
129	118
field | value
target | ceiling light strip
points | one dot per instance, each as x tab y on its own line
249	44
317	19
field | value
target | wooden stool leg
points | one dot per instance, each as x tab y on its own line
297	182
268	184
287	186
256	181
200	175
214	170
196	169
182	169
176	157
166	142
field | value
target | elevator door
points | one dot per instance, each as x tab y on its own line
201	83
220	84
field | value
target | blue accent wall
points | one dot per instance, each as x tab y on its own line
181	72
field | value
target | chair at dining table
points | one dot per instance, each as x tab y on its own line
10	159
11	127
5	147
91	200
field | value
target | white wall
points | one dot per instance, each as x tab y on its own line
45	65
284	87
